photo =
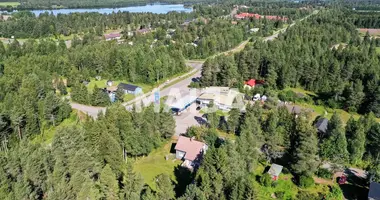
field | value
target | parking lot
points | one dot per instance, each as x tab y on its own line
189	117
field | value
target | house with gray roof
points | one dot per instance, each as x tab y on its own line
275	171
374	191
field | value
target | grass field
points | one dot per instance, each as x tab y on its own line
155	163
12	3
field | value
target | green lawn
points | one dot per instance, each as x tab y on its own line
102	84
286	185
47	136
155	163
13	4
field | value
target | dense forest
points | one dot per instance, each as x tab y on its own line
344	77
86	161
94	159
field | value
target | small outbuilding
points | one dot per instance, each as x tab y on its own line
374	191
130	89
275	171
321	125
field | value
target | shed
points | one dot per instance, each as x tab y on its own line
374	191
321	125
275	171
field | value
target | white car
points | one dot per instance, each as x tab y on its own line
256	97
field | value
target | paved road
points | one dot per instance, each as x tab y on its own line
149	97
184	120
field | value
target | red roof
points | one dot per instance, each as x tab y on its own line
191	147
247	15
271	17
251	82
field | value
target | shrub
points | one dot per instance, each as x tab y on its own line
280	194
324	173
306	181
265	180
304	195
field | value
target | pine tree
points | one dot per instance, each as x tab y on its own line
305	153
334	147
373	142
100	97
119	95
355	140
233	120
165	188
109	184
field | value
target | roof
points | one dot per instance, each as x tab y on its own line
220	95
247	15
181	103
275	170
321	124
112	35
144	30
374	191
191	147
128	87
251	82
112	88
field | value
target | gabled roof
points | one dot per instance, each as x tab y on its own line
374	191
275	170
251	82
128	87
321	125
112	35
191	147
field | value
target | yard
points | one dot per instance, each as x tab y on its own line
102	83
287	188
155	163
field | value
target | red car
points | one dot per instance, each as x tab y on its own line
342	180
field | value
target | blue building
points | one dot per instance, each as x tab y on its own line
130	89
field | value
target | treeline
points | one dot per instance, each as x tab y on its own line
344	76
364	19
87	161
26	25
34	4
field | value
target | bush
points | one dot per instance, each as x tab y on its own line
265	180
304	195
324	173
306	181
280	194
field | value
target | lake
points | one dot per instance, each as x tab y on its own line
153	8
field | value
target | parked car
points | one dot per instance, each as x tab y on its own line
256	97
342	180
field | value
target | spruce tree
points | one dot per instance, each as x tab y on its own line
355	140
334	147
305	153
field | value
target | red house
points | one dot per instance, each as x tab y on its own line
250	84
247	15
